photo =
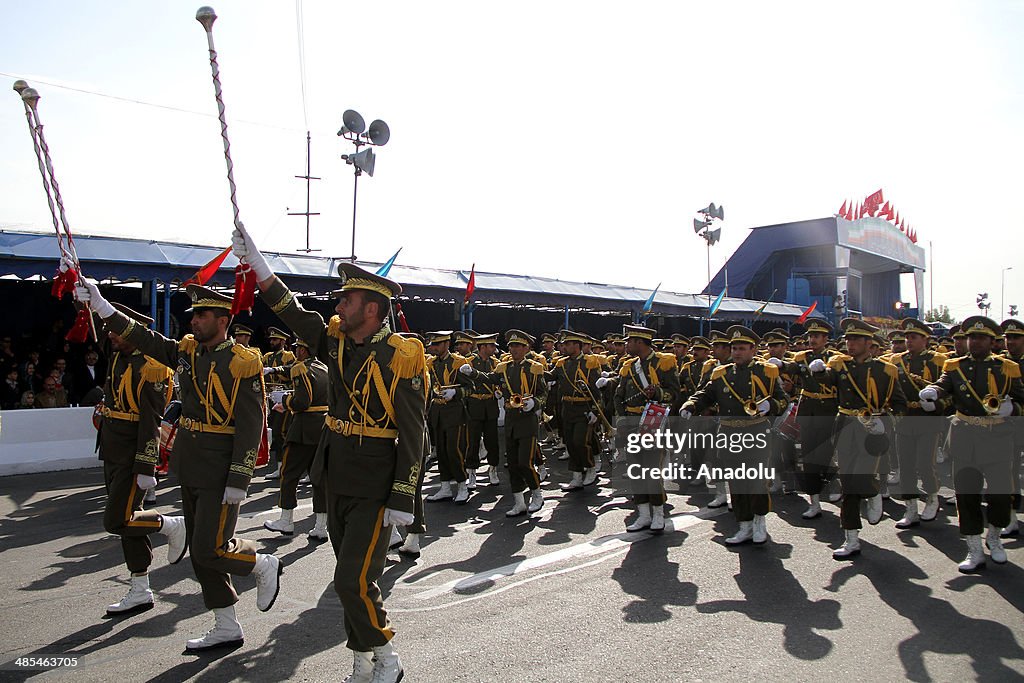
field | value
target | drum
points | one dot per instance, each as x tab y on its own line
787	425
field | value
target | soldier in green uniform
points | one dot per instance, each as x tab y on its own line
276	364
135	396
692	377
579	419
372	450
816	413
241	333
521	381
448	419
867	390
482	413
1013	331
783	449
746	392
986	390
307	405
646	377
918	436
898	339
219	432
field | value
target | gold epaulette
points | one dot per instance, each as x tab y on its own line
298	369
409	360
246	362
709	361
560	362
334	327
592	361
1011	368
188	344
951	365
800	356
890	369
500	367
770	370
627	365
536	368
154	372
720	371
837	361
666	361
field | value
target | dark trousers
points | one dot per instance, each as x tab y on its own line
749	496
361	547
125	517
276	422
295	462
650	489
815	447
216	554
419	521
520	452
451	451
858	471
578	436
784	460
483	421
915	451
980	455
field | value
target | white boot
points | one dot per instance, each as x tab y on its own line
226	632
518	506
575	484
874	509
138	599
492	475
657	518
814	511
443	493
305	478
471	479
411	547
542	473
174	529
720	499
396	538
463	493
362	668
745	533
319	530
851	547
911	518
150	496
760	531
388	666
1011	529
275	474
283	524
589	476
894	478
268	580
536	501
643	518
995	546
975	559
931	508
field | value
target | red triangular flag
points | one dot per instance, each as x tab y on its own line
891	213
79	332
842	209
803	316
903	226
64	283
400	314
471	285
204	274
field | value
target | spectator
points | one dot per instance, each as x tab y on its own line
59	372
6	352
89	374
52	396
30	378
28	400
10	389
33	358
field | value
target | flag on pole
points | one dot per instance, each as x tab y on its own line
646	310
716	304
400	314
842	209
470	285
204	274
763	306
386	268
803	316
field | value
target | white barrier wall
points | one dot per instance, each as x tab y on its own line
46	440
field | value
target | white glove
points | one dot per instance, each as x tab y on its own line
396	518
245	250
66	263
685	414
497	394
763	407
448	394
928	406
528	405
267	371
607	373
233	496
1005	408
601	382
817	365
928	394
777	362
145	482
466	369
277	395
89	294
875	426
591	418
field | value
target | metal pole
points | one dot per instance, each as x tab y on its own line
566	325
931	276
152	302
355	195
167	309
308	174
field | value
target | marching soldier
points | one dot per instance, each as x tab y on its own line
692	377
464	341
746	392
646	376
276	364
219	432
1013	330
448	417
783	449
524	386
579	420
372	449
918	436
135	396
307	405
867	389
241	334
898	339
985	390
482	412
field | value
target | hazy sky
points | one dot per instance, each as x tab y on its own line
565	139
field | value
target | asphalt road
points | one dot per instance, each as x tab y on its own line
564	596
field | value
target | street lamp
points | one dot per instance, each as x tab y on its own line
352	129
705	228
1002	288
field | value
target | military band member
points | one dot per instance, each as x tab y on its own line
898	340
783	449
867	390
307	405
276	364
1013	330
579	419
241	333
372	449
524	386
482	413
646	377
448	419
746	392
918	436
135	395
985	390
464	342
219	432
959	341
692	377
